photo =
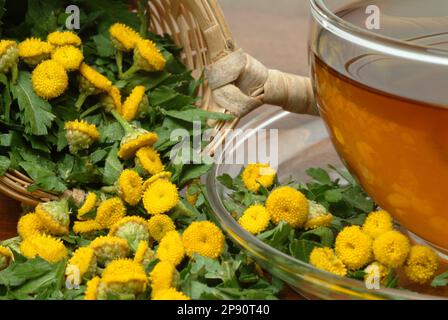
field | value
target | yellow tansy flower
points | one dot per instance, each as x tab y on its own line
88	206
170	294
160	197
125	276
159	225
421	264
144	254
256	174
133	229
91	82
288	204
164	175
136	104
130	186
171	248
123	37
326	259
93	289
46	247
255	219
33	51
112	100
109	248
64	38
9	56
376	269
318	216
148	57
84	260
377	223
80	135
54	216
6	257
391	249
86	227
69	57
354	247
136	140
163	276
110	212
150	160
203	238
49	79
30	225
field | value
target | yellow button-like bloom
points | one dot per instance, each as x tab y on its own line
109	248
326	259
69	57
134	141
255	219
125	276
80	135
203	238
287	204
93	289
133	229
112	99
170	294
150	160
110	212
148	56
46	247
130	186
9	56
136	104
421	264
159	225
164	175
124	38
84	260
88	206
160	197
33	51
256	174
354	247
171	248
391	249
86	227
163	276
30	225
97	80
144	254
6	257
49	79
64	38
377	223
318	216
376	269
54	216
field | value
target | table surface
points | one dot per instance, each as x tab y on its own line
276	35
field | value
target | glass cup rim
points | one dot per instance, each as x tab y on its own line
327	19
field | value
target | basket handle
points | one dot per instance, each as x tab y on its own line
240	83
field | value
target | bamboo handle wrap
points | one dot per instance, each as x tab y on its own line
239	82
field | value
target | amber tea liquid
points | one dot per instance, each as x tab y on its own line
388	116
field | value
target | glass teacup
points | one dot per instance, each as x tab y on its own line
380	75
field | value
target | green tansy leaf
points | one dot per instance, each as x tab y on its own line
441	280
320	175
4	165
36	112
113	167
301	249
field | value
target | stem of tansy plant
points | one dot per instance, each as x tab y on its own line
133	69
15	73
90	110
81	99
126	125
119	61
142	15
109	189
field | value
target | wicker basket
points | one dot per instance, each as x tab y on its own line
237	83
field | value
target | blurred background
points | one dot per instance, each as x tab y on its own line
273	31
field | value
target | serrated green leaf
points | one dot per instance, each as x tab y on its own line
113	167
5	162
